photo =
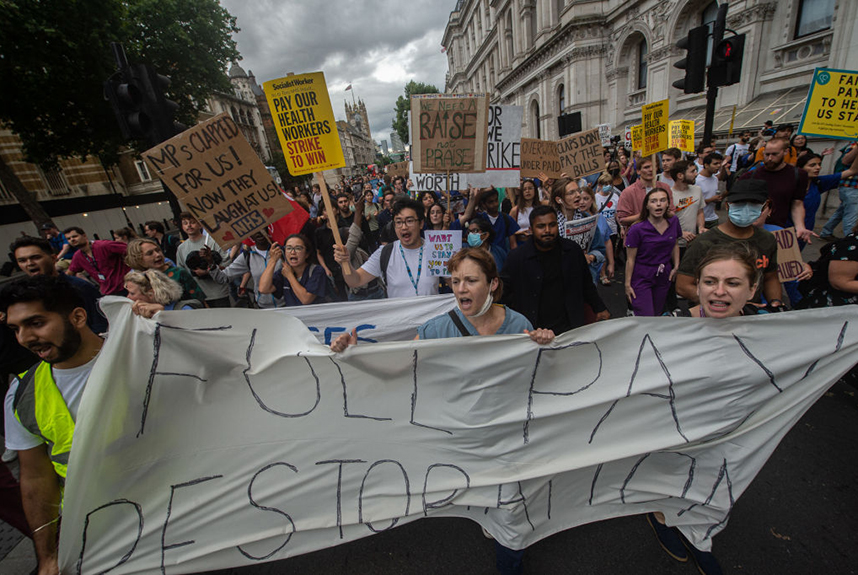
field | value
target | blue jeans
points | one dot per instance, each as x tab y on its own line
846	211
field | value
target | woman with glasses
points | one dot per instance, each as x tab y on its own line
290	276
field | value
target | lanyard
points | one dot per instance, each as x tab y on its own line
408	268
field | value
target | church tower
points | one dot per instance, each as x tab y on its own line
356	116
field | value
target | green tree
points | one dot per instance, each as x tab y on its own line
55	56
403	105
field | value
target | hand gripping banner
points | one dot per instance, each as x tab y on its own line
218	438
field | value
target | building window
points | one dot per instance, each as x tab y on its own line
143	171
534	117
561	99
642	68
813	16
560	5
534	26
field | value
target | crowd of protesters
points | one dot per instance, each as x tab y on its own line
656	218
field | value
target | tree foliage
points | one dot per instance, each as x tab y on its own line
55	56
403	105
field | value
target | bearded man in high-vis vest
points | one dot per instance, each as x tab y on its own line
49	319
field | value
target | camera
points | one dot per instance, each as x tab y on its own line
195	261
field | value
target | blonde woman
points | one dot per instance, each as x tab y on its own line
152	291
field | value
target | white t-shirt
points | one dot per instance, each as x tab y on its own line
610	207
688	203
70	382
709	187
736	151
663	177
398	282
211	288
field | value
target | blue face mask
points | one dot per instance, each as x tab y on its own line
744	214
607	189
474	240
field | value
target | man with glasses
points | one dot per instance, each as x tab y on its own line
403	264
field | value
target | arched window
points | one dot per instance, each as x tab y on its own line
561	99
642	67
534	118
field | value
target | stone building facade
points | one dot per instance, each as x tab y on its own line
606	58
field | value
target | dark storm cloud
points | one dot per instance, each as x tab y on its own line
377	45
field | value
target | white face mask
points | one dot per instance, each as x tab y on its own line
486	306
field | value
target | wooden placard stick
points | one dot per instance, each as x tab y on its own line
323	187
448	190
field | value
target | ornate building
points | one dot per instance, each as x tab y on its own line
356	116
606	58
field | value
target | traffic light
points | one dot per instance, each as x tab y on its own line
137	96
726	68
126	94
694	62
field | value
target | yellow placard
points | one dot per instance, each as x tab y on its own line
682	135
637	137
304	121
832	105
654	121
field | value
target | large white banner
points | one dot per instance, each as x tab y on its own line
502	159
218	438
375	320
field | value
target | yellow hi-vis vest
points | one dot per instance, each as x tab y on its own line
41	409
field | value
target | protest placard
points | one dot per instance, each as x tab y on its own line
398	169
502	159
637	137
441	245
790	264
268	445
654	121
682	135
627	138
539	156
581	231
832	105
581	154
449	132
218	177
605	134
304	122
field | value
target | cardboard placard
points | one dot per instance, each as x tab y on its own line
637	137
539	156
627	138
441	245
305	124
790	264
681	135
218	177
449	132
654	121
581	154
832	105
398	169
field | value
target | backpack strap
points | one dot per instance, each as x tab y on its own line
455	317
386	251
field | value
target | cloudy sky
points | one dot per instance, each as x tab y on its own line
375	45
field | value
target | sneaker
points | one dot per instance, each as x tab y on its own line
9	456
668	539
706	562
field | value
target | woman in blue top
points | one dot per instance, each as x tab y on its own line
818	185
292	277
475	281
